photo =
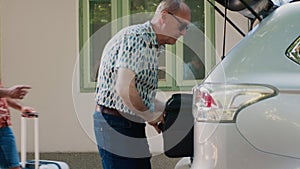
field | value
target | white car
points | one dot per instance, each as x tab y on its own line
246	110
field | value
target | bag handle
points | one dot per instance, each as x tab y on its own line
24	139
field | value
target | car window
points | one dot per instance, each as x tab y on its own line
293	52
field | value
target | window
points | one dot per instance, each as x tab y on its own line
293	52
182	65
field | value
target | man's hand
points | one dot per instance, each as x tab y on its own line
17	91
159	120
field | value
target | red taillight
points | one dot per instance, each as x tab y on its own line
207	99
222	102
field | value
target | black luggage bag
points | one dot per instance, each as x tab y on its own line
178	129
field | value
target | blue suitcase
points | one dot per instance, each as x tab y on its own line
36	163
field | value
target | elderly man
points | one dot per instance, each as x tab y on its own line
127	83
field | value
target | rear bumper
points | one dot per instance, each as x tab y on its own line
220	146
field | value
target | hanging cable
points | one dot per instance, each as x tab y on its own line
224	30
228	19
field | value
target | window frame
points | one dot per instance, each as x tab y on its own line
121	8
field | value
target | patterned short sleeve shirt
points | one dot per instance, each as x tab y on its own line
134	48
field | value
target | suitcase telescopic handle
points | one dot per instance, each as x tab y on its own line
30	114
24	139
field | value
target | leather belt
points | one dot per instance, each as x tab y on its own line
107	110
114	112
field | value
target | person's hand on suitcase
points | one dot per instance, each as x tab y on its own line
159	115
28	112
157	122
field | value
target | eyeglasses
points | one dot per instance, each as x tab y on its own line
183	25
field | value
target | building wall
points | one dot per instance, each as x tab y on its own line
40	47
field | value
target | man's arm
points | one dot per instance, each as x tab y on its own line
125	87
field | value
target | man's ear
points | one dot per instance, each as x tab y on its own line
163	16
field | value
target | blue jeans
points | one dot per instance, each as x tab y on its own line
122	144
9	157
